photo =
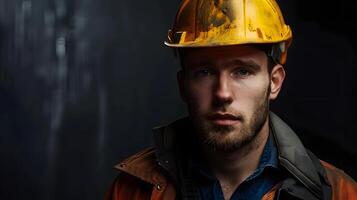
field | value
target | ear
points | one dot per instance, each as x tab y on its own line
276	81
180	76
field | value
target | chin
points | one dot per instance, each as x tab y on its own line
226	140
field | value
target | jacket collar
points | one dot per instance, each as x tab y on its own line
143	166
293	156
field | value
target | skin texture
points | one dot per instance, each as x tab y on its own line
227	91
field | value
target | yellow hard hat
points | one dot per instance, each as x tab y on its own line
206	23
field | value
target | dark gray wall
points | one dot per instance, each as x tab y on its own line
83	82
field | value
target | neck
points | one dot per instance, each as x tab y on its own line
234	167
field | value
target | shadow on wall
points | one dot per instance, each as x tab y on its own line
337	17
18	142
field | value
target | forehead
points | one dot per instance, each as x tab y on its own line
223	55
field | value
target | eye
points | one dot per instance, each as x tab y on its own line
201	73
242	72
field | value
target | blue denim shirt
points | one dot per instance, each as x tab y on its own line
255	186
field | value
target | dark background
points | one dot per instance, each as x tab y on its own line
83	82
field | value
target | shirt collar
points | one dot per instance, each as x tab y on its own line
270	154
268	159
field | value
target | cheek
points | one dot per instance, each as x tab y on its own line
199	96
257	85
251	92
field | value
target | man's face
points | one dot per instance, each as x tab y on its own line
227	92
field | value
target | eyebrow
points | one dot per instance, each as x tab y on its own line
248	63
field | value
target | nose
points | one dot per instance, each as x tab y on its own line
223	91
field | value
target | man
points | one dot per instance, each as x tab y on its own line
230	147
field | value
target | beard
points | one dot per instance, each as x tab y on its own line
228	138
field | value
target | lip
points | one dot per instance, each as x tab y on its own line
224	119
